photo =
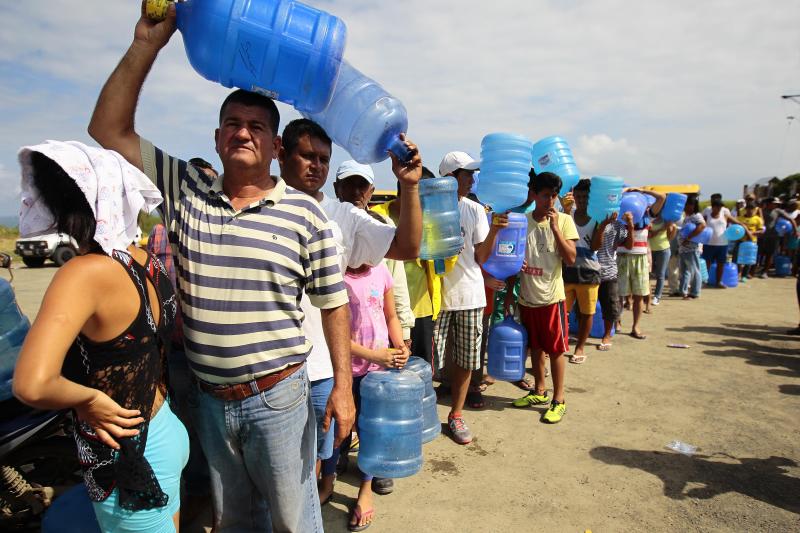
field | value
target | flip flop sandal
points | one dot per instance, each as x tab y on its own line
356	514
602	347
525	384
475	400
577	359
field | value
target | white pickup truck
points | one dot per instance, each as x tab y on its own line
34	251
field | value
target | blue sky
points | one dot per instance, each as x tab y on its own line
656	92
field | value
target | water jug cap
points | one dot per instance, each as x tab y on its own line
456	160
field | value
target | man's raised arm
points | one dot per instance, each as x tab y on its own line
112	124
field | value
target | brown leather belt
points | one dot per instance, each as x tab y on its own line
240	391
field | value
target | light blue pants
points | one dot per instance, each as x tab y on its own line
660	262
261	454
320	392
691	278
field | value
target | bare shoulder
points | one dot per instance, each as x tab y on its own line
87	271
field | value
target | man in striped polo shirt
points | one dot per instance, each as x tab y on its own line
247	248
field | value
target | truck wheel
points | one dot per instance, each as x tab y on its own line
63	254
33	262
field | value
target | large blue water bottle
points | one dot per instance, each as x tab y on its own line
783	227
598	330
284	49
730	275
605	195
748	253
441	220
673	207
634	203
13	328
508	253
363	118
431	426
506	349
783	266
553	154
505	170
704	274
390	424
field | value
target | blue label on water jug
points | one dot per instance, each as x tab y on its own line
265	92
505	248
544	160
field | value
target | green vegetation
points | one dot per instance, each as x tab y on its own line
8	236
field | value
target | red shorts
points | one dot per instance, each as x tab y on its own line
547	328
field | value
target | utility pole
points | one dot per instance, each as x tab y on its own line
793	97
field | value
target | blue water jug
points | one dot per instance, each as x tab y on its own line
598	330
505	170
783	227
441	219
284	49
431	426
734	232
509	248
748	253
553	154
390	424
363	118
703	270
687	229
72	512
704	236
673	207
783	266
506	349
634	203
605	196
730	275
14	327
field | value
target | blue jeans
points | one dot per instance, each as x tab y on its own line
261	453
320	392
660	263
690	273
329	465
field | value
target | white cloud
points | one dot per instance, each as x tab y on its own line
600	154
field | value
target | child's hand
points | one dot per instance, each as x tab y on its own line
390	357
402	359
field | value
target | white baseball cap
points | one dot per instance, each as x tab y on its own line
354	168
455	160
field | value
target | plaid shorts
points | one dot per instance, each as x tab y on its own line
468	325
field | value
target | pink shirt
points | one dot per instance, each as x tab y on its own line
367	321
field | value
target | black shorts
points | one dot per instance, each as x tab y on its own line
608	296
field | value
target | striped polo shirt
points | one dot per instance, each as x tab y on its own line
241	273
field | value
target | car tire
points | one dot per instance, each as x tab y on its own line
63	254
33	262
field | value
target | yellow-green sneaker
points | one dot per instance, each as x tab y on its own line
531	399
555	413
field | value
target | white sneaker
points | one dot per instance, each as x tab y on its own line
656	300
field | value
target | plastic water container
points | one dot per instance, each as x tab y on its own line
673	207
783	266
14	327
72	512
363	118
390	424
508	253
730	274
734	232
704	236
598	330
703	270
687	229
748	253
431	426
605	196
783	227
506	349
553	154
286	50
634	203
505	169
441	219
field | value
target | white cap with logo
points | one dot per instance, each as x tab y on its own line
456	160
354	168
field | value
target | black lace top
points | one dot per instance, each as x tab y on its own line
129	369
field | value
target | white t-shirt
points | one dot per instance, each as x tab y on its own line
718	226
360	239
462	287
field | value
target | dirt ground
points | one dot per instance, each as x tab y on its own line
735	394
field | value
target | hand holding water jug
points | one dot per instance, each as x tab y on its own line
156	24
408	171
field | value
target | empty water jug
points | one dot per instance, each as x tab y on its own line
687	230
505	170
553	154
284	49
509	248
605	196
506	349
441	219
734	232
363	118
704	236
673	207
748	253
431	426
390	424
783	266
783	227
634	203
703	270
598	330
14	327
730	274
